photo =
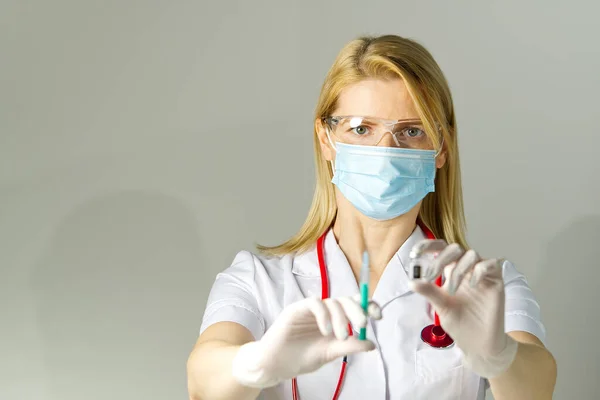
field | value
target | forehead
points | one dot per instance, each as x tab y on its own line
387	99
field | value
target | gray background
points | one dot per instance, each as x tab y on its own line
143	143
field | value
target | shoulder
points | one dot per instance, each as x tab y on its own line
253	265
246	259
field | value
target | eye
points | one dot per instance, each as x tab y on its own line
413	132
360	130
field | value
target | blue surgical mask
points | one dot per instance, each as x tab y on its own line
383	182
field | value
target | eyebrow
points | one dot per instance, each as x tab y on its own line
409	120
415	119
402	121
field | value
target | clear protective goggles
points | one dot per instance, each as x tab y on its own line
368	131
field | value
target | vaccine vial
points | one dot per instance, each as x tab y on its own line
416	271
418	266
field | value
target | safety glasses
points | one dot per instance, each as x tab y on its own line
368	131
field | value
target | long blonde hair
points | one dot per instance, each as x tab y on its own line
385	57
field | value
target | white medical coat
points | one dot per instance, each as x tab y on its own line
254	289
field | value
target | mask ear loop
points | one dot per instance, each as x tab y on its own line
441	144
441	148
330	141
334	148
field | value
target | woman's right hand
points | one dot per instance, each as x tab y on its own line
307	335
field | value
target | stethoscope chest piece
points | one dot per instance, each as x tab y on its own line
435	336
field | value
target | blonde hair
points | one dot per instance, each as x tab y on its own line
386	57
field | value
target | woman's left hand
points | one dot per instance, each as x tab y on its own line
470	305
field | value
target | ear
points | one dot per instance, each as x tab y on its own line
440	160
326	149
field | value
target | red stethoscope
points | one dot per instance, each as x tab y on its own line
434	335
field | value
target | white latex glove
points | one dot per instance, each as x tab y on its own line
470	305
304	337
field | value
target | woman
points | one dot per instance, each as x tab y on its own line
388	181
